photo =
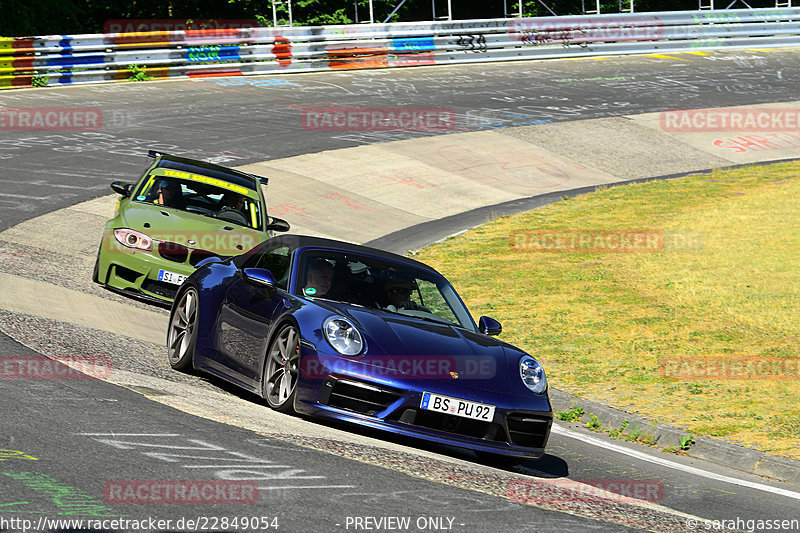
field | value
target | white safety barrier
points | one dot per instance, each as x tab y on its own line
106	57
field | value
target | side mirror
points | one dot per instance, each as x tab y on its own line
489	326
259	276
121	188
278	224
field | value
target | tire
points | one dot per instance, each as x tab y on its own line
282	370
182	334
96	273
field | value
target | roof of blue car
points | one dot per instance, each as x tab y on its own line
307	241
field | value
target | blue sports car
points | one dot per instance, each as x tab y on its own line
350	333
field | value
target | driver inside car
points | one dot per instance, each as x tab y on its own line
232	208
398	294
232	201
166	193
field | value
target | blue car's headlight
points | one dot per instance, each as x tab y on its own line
343	335
532	374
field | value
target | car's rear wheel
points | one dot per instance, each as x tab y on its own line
281	369
183	330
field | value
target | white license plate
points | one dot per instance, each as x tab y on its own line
456	406
171	277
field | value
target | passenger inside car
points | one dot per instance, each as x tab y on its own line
232	207
398	291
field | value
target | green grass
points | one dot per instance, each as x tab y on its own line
724	287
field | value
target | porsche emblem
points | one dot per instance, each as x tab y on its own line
454	375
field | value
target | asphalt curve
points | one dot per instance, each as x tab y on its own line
65	425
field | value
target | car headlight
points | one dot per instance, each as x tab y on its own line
532	374
133	239
343	336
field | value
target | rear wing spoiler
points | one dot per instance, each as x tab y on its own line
261	179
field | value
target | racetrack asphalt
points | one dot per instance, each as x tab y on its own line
85	168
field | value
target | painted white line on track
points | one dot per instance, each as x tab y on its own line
594	441
310	487
132	434
265	464
56	185
25	196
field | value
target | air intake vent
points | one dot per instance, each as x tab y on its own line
358	397
527	430
161	288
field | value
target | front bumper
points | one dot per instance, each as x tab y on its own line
520	427
128	270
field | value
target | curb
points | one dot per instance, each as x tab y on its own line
708	449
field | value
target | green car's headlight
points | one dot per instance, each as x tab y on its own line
343	335
133	239
532	374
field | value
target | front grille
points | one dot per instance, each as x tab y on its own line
527	430
356	396
173	251
458	425
166	290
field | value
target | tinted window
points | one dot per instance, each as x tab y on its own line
276	260
382	284
202	198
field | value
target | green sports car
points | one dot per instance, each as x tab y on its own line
180	212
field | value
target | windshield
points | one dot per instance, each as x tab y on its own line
211	197
380	284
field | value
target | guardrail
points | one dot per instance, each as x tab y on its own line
72	59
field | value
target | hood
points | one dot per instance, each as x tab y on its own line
206	233
428	350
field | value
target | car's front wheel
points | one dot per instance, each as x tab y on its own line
96	272
281	369
183	330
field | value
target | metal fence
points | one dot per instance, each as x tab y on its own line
72	59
